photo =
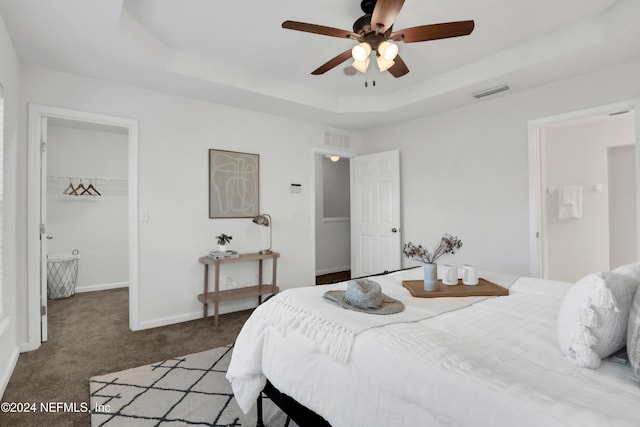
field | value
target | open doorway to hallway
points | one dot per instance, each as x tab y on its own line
333	218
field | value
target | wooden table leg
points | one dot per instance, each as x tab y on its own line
216	304
259	282
206	290
274	272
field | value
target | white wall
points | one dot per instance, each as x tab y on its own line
175	135
576	154
465	171
333	234
95	226
10	80
623	227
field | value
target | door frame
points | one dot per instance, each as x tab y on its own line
536	269
34	200
314	152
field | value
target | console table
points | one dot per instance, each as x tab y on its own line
232	294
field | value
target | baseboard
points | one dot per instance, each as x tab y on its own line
170	320
6	375
333	270
102	287
25	346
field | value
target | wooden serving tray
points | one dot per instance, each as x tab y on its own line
484	288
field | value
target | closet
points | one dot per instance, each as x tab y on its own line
87	203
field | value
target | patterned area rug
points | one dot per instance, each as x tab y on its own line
185	391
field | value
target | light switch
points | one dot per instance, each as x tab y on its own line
144	216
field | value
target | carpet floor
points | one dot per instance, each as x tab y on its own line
89	336
183	391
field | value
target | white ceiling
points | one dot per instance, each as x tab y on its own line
236	53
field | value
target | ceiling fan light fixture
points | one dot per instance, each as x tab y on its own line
361	65
383	64
374	31
388	50
361	51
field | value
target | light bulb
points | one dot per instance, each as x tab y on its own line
361	51
388	50
361	65
383	64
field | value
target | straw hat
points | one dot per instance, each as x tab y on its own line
365	296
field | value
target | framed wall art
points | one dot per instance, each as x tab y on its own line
234	180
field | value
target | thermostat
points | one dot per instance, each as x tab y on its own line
295	188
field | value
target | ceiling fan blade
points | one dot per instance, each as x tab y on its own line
398	69
434	31
384	14
319	29
332	63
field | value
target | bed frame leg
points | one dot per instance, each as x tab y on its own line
259	422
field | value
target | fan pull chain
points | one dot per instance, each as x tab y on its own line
366	83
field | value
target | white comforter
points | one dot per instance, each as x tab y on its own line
495	362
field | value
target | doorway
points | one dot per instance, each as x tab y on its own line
332	218
39	182
373	244
86	212
572	192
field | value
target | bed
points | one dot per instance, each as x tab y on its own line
472	361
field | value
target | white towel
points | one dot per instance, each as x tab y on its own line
570	202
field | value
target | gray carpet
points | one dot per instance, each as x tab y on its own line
186	391
89	336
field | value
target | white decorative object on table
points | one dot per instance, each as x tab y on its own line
448	244
430	276
449	274
470	275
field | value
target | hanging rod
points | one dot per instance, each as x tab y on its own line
96	178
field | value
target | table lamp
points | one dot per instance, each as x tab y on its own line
265	219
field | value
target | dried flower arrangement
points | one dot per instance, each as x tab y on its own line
448	245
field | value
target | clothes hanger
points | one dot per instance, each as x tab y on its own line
70	190
81	187
91	188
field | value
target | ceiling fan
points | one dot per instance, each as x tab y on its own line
374	32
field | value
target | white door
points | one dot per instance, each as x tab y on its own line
375	213
43	229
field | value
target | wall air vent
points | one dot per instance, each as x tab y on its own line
491	91
336	140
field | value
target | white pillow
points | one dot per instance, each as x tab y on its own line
633	334
632	270
633	327
593	317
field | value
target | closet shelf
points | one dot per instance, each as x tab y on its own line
95	178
